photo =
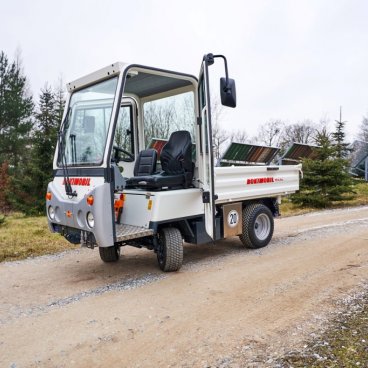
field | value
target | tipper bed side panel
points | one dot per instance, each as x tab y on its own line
241	183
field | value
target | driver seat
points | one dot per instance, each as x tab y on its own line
176	163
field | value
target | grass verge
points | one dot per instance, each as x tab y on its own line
22	237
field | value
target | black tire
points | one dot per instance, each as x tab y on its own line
110	254
257	226
170	249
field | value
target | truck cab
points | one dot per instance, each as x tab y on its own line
134	166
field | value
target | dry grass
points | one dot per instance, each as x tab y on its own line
22	237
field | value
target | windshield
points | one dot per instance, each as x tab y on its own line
86	125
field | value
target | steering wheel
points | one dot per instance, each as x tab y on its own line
117	158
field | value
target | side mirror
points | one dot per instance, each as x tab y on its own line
228	92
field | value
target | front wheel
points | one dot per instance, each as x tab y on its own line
258	226
110	254
170	249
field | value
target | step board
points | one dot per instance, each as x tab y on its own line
128	232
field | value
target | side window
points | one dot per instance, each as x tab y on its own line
167	115
124	136
202	105
202	91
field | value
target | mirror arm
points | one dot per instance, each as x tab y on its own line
210	58
226	72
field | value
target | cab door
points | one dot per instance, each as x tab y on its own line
206	165
125	136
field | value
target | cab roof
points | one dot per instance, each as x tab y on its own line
141	80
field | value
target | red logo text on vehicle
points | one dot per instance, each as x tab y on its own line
260	180
79	181
263	180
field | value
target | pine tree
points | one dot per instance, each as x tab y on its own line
45	138
38	170
326	179
16	108
59	97
342	148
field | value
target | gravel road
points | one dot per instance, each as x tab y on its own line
227	306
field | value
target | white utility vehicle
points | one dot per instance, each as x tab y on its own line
109	190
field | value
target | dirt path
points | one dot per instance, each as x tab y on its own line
226	307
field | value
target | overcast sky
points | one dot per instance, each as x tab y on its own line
292	60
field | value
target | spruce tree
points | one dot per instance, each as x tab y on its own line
38	171
59	97
16	108
342	148
326	179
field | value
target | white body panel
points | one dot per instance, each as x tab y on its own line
166	205
177	204
236	183
72	211
232	184
135	211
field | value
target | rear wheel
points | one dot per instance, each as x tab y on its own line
170	249
110	254
257	226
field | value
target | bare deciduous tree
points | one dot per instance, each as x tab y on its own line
363	132
185	114
165	116
239	136
302	132
270	134
159	120
121	137
219	137
217	110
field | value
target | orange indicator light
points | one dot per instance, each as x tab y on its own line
69	214
90	200
48	196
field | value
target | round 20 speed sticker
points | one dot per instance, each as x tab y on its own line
233	218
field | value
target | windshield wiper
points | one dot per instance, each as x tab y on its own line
72	138
62	155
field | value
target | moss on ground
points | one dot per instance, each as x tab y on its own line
343	344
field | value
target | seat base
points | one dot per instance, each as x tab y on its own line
157	181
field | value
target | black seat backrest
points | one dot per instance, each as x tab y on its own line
145	163
176	155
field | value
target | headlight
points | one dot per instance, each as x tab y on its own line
90	219
51	212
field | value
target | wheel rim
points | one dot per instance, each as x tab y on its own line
262	226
